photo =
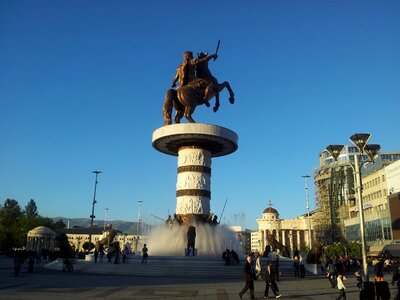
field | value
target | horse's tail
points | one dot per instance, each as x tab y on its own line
168	105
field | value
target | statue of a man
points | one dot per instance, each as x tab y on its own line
203	72
197	86
194	72
186	72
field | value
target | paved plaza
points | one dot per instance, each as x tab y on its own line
50	284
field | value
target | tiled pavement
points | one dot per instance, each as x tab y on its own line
49	284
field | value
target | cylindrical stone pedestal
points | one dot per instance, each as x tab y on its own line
194	144
193	185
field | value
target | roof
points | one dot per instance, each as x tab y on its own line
270	210
376	250
41	231
94	230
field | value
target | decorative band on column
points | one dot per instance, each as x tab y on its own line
202	169
193	192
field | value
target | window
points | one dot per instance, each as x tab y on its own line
352	150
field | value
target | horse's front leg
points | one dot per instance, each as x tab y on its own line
231	93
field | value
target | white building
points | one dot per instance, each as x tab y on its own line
292	233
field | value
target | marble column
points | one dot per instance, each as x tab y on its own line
298	240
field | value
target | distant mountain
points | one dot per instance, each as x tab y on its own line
124	226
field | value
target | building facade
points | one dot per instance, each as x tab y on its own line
292	233
77	237
335	194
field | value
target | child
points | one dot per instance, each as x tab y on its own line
341	287
359	281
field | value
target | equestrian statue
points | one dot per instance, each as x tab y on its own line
273	242
197	86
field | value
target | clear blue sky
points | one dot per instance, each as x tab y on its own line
82	84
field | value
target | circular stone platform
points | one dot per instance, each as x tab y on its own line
218	140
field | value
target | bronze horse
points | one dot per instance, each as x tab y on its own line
188	96
185	99
107	241
272	241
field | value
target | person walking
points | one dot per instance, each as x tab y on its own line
101	253
17	264
117	252
331	273
277	268
359	281
96	255
302	267
124	254
397	296
341	287
270	281
145	254
258	266
296	266
31	263
250	275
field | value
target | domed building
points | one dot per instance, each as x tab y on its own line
282	234
40	238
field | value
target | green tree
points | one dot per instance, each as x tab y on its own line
16	223
10	220
31	210
354	249
59	224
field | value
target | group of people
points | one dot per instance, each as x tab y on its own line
113	253
30	258
253	270
230	257
337	270
298	265
21	258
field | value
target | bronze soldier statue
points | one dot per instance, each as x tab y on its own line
197	86
187	73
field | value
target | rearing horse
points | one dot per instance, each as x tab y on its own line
186	98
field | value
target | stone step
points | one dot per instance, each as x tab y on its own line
176	266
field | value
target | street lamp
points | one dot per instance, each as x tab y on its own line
92	216
360	140
138	222
308	211
105	218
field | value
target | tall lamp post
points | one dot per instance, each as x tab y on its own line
308	211
92	216
360	140
105	218
138	222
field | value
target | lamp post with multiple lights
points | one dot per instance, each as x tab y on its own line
92	216
105	218
138	222
360	140
308	210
